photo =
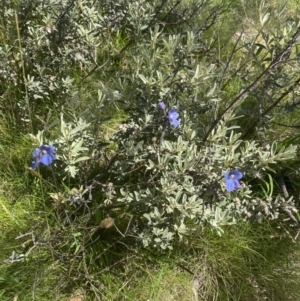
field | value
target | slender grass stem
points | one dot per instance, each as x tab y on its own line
23	71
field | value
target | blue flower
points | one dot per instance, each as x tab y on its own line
231	178
43	154
173	116
161	105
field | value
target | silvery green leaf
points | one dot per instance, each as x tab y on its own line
167	145
79	128
212	90
81	159
265	19
143	78
72	170
63	125
77	146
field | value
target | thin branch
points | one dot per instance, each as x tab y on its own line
273	65
278	100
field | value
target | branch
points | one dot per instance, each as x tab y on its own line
278	100
273	65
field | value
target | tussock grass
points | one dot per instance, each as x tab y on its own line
249	262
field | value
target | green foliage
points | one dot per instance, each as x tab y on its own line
180	182
129	193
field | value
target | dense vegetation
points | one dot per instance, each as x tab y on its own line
149	150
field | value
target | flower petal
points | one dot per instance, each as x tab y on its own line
36	152
52	148
34	164
230	185
46	159
175	123
237	174
161	105
227	175
172	114
236	183
175	115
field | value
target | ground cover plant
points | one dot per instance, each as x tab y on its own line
150	150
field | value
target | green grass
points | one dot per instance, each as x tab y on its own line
247	263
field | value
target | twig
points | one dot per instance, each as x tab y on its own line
277	101
273	65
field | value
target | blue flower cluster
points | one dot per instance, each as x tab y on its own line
232	180
43	155
172	114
